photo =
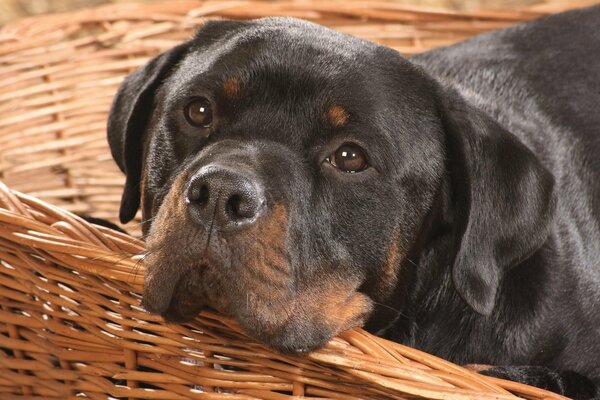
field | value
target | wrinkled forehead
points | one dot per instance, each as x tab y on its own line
274	78
281	53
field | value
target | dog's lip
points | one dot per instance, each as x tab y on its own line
184	311
157	301
159	288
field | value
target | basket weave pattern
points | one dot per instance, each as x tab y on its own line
70	324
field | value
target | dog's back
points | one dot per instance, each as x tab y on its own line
541	80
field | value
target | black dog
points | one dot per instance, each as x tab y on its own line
305	182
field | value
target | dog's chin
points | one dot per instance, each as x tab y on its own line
298	334
305	329
295	342
294	339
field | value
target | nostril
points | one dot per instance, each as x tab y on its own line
198	194
232	207
238	207
203	198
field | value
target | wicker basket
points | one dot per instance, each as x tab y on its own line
70	324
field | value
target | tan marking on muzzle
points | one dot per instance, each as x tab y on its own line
164	266
265	259
337	116
391	265
322	309
145	200
277	302
344	308
166	223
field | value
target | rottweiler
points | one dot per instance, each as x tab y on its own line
304	182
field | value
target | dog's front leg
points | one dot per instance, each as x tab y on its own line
566	383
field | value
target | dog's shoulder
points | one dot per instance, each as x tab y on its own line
553	60
539	79
544	47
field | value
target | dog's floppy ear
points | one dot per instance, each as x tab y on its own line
502	200
127	122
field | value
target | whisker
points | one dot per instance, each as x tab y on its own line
391	308
138	265
141	222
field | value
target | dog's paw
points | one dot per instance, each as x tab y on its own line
566	383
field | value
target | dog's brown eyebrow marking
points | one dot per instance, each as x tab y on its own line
232	88
337	115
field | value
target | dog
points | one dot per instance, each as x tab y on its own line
306	182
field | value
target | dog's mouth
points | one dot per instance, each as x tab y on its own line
179	294
249	275
294	321
186	300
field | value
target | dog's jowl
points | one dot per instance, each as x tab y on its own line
305	182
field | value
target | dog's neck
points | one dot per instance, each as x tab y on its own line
427	312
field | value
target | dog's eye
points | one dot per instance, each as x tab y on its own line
198	112
349	158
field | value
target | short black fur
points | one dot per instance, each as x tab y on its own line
474	234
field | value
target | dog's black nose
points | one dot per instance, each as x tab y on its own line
223	198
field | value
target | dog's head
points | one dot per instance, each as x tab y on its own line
286	171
